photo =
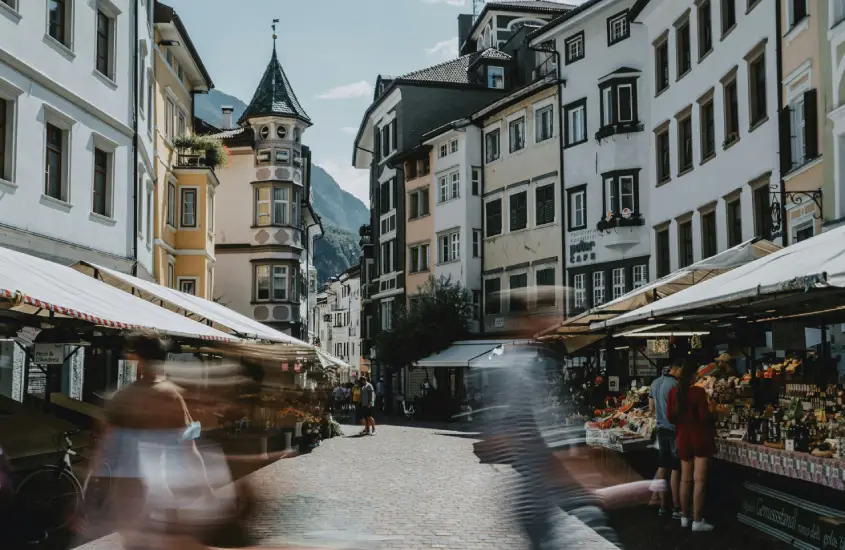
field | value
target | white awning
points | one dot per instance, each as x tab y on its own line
221	317
818	262
461	354
42	286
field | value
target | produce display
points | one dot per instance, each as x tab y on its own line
622	421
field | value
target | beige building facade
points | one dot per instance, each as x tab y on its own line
419	225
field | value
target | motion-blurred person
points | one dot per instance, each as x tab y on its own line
691	410
355	392
668	464
368	404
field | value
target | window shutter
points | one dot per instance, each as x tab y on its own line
785	140
811	123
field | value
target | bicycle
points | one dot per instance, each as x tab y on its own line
410	411
53	496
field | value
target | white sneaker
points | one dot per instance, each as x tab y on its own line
701	526
685	522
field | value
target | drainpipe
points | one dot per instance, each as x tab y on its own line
482	305
779	68
560	85
135	197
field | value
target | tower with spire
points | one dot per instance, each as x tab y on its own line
266	223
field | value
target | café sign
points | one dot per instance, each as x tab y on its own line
48	354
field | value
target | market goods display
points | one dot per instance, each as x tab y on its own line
623	423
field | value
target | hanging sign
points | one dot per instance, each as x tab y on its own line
49	354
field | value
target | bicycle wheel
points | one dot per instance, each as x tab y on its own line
49	498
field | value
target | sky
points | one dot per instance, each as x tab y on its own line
332	52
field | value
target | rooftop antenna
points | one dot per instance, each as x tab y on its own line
275	36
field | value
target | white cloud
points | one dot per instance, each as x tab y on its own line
350	179
448	49
351	130
349	91
448	2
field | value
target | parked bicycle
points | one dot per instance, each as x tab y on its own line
409	410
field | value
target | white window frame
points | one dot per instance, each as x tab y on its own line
11	5
790	14
70	16
443	151
64	123
546	111
180	199
477	240
10	94
475	185
836	12
171	272
579	211
618	28
453	145
579	284
488	158
608	104
150	212
108	147
577	52
496	77
515	124
794	99
422	253
150	100
448	186
386	255
618	275
449	246
576	121
599	288
640	274
613	187
616	89
194	280
111	11
386	314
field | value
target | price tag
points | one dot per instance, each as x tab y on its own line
790	445
834	473
790	464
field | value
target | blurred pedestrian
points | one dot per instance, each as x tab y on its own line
668	464
368	403
356	399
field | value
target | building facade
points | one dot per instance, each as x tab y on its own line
342	317
832	26
66	129
183	199
264	236
713	125
419	224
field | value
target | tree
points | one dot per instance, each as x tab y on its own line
439	315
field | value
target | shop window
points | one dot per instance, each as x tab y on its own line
579	284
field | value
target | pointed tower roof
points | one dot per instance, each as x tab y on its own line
275	96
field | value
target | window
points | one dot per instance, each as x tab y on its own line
598	288
799	122
618	275
544	204
418	204
707	121
640	276
797	11
169	110
757	89
294	209
150	100
728	16
579	283
271	283
661	65
544	123
685	144
663	156
449	187
188	286
837	13
619	102
182	127
262	157
425	168
387	200
411	170
281	132
54	179
517	134
731	101
516	300
663	254
387	249
283	156
705	29
492	144
210	212
149	215
450	247
574	48
518	206
496	77
685	253
264	132
171	276
171	205
418	256
476	304
545	278
189	208
60	25
578	209
101	182
444	150
493	217
104	44
492	296
709	246
576	122
453	146
617	28
734	223
762	212
803	232
271	206
5	139
620	196
296	134
280	206
385	140
476	243
683	50
476	181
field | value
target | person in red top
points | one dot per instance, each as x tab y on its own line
690	409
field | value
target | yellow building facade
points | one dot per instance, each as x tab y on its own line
186	182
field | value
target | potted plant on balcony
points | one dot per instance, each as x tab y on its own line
205	150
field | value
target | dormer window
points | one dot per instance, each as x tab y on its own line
264	132
282	132
496	77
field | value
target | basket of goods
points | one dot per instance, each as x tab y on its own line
793	365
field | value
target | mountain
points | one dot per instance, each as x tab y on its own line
341	212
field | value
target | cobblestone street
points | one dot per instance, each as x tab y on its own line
406	487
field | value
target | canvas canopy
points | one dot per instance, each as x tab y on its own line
462	353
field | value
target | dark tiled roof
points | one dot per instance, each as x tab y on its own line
274	95
565	17
455	71
531	5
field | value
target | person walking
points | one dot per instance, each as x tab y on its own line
668	464
690	409
355	392
368	403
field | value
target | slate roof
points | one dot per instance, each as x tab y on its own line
274	95
455	71
226	134
575	10
533	5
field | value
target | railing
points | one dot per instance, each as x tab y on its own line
192	160
338	307
546	68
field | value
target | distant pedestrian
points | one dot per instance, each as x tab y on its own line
356	399
368	403
381	390
668	463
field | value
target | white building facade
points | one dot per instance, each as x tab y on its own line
66	128
339	310
605	109
456	166
714	126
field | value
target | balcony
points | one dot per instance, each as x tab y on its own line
199	152
546	68
338	307
619	128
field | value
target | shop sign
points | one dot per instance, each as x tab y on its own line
49	354
807	524
582	245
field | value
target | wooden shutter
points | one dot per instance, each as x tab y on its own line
785	129
811	124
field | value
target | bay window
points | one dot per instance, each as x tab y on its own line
619	105
273	206
271	283
621	190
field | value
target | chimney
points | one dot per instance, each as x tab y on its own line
464	26
227	116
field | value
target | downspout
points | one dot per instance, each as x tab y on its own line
135	197
482	305
779	68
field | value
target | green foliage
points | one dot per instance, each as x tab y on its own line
439	315
215	153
